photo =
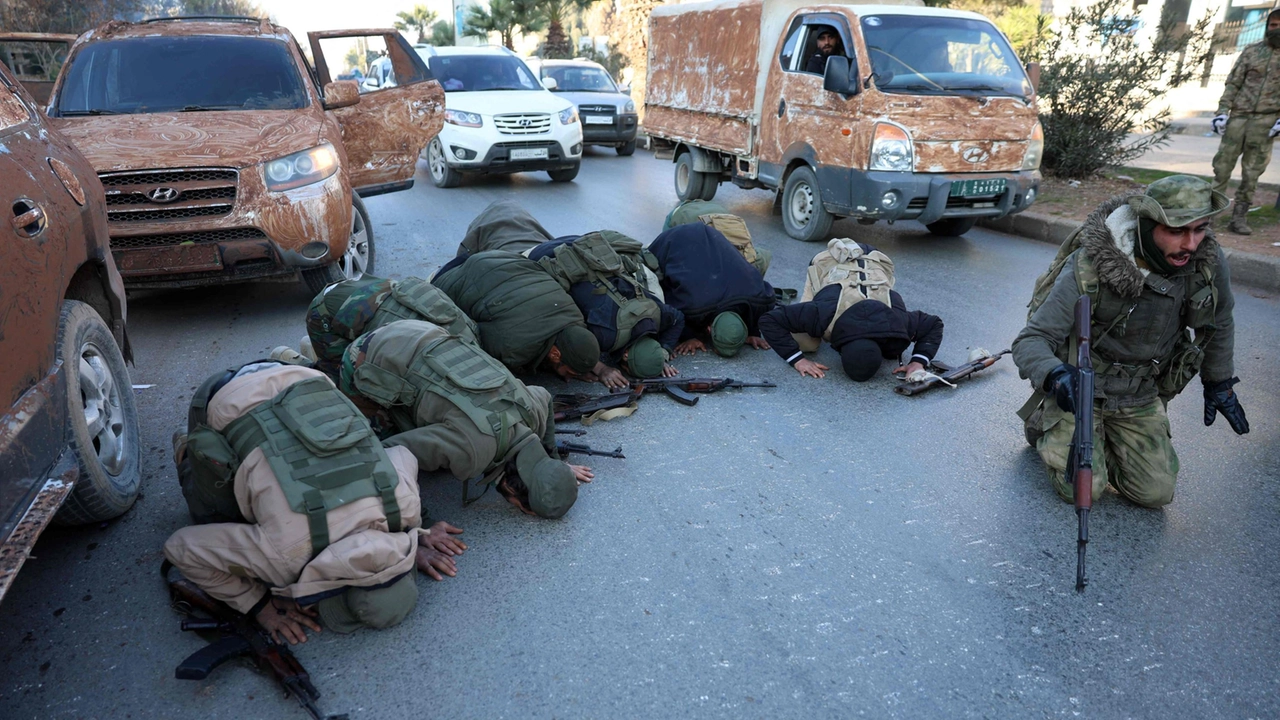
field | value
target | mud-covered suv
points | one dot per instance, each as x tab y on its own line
227	156
68	429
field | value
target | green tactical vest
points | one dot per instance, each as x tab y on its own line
416	299
322	451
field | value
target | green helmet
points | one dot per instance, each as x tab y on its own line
646	358
728	334
1179	200
552	488
359	607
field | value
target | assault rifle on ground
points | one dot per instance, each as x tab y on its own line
1080	457
949	375
565	449
240	636
682	389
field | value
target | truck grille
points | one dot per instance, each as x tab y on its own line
197	238
598	109
523	124
160	195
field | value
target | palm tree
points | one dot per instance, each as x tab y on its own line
555	12
442	34
420	18
504	17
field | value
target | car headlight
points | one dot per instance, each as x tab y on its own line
891	149
1035	149
301	168
569	116
630	107
465	119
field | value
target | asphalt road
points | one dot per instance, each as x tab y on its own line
823	549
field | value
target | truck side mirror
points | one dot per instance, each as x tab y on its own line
340	94
550	83
836	77
1033	74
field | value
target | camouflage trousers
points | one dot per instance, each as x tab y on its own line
1132	450
1245	139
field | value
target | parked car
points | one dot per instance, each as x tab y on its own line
607	113
257	171
499	118
926	114
69	436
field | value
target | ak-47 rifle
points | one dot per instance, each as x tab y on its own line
572	406
241	636
949	376
1080	457
682	389
564	449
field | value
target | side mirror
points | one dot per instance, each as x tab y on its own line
371	83
340	94
836	77
1033	74
625	90
550	83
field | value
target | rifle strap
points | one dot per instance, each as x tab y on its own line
610	414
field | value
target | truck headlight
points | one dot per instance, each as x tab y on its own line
301	168
465	119
1035	149
569	116
630	107
891	149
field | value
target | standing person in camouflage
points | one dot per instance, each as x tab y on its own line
1251	99
1155	276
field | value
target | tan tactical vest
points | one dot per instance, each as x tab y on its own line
861	276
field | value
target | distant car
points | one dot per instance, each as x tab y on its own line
69	439
607	113
498	118
381	76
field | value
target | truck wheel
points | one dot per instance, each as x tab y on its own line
356	261
566	175
710	183
441	174
628	149
952	227
803	216
689	182
102	421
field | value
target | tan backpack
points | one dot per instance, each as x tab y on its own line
735	231
860	275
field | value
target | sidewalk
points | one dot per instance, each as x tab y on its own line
1192	153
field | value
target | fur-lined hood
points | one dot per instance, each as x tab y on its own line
1108	237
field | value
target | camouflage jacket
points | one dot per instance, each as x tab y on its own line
1254	83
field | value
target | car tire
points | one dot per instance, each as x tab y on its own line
710	183
356	261
689	182
565	175
952	227
627	149
102	419
442	175
803	216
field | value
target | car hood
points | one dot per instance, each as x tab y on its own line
503	102
192	139
618	100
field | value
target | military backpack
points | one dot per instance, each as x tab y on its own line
860	275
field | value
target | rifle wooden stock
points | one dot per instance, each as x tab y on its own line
956	373
1080	458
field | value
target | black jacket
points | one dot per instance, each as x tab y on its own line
893	328
703	275
817	64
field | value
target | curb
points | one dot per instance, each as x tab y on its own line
1258	271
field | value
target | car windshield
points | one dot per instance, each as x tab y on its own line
176	74
927	55
571	78
475	73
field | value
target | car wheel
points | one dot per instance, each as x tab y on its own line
688	181
627	149
952	227
803	216
356	261
102	420
441	174
565	175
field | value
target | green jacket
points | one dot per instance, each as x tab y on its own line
504	225
1137	320
1254	83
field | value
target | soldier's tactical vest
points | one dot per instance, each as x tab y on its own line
348	309
461	373
735	231
860	275
318	444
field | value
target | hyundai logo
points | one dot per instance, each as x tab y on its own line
525	122
976	155
163	195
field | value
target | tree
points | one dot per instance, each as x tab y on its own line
66	16
420	18
504	17
555	12
442	34
633	41
1101	82
237	8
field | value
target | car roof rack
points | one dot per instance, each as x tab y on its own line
215	18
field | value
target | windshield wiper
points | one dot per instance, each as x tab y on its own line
91	111
208	108
979	88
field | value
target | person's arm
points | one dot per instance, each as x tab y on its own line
1219	354
927	336
438	446
204	555
671	327
777	325
1235	80
1035	350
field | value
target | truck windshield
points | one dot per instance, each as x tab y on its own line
475	73
177	74
930	55
580	79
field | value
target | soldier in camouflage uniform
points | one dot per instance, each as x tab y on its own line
1155	275
1252	99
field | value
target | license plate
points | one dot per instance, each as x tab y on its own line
597	120
528	153
977	188
170	259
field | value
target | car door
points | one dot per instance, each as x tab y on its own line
35	59
389	127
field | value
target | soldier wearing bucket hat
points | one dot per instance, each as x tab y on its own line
1162	313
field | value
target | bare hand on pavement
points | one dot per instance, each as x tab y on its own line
809	368
690	347
285	621
439	537
582	473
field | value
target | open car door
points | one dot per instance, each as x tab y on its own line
35	59
396	116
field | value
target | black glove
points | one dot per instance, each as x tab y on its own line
1061	383
1219	398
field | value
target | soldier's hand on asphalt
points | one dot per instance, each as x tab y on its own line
285	621
690	347
1220	398
611	378
1061	383
669	370
758	343
809	368
440	537
1219	123
908	368
582	473
432	562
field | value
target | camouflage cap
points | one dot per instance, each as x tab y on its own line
646	358
1178	200
379	607
728	333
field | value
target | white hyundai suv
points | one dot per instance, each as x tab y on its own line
498	118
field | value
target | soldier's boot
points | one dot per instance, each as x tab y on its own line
307	349
286	354
1239	221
